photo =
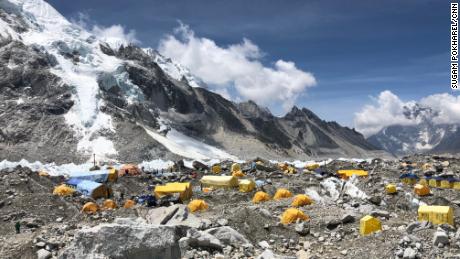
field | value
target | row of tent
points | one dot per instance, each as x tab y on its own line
448	182
94	183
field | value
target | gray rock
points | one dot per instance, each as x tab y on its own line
348	218
43	254
40	244
380	213
409	253
177	214
264	244
376	200
200	239
302	228
440	238
222	222
228	236
417	226
333	223
205	224
125	238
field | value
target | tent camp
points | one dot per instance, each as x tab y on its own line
345	174
183	189
129	169
63	190
220	181
89	188
99	176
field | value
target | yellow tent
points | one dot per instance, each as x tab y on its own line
109	204
446	184
197	205
113	175
283	166
434	183
260	197
368	225
216	169
312	167
421	190
129	204
348	173
235	167
282	193
90	207
184	190
292	214
290	170
456	185
219	181
43	173
238	174
246	185
423	181
301	200
390	189
63	190
436	214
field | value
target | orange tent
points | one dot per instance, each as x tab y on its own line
282	193
301	200
260	197
90	208
109	204
129	204
129	169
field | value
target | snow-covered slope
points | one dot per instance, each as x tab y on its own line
173	69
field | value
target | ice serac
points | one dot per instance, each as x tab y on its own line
66	94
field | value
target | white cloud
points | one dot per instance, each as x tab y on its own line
115	35
388	109
237	66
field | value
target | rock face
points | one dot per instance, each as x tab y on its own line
71	95
125	239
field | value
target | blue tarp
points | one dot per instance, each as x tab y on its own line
99	176
84	187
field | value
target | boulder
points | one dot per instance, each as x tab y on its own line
409	253
440	237
417	226
200	239
125	238
380	213
43	254
229	236
177	214
302	228
348	218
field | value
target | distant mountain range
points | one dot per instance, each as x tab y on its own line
65	95
423	136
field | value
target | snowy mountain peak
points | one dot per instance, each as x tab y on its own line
173	69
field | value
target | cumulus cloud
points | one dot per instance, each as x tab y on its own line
115	35
388	109
237	67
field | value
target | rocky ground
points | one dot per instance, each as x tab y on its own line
232	227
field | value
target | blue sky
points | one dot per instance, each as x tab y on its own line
355	49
